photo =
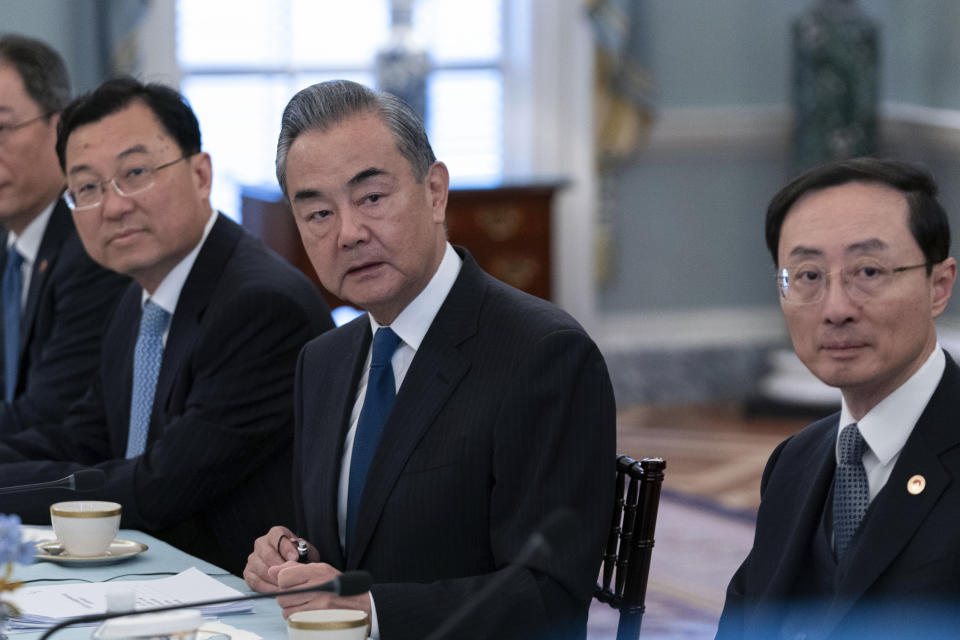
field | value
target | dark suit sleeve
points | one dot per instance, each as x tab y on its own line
238	386
64	352
731	624
554	442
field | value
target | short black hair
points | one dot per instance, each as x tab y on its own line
42	70
170	108
926	217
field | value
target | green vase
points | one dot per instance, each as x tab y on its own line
835	84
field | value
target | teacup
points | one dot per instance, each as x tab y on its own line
85	527
327	624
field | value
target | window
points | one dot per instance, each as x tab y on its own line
239	75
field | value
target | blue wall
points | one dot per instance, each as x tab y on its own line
688	218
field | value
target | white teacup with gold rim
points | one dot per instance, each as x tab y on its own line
85	527
327	624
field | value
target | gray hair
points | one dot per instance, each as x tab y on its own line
324	105
42	70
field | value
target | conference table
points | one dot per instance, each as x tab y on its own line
158	561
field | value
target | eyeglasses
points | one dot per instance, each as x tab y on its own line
6	130
132	179
863	280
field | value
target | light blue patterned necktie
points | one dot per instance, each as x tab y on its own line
381	392
12	294
851	491
147	356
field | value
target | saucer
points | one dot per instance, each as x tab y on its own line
119	550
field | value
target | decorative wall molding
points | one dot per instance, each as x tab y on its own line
700	328
767	127
758	127
913	124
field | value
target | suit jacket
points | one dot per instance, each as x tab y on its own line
216	470
903	577
505	415
68	305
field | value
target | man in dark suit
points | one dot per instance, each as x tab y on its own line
190	413
858	532
490	409
56	300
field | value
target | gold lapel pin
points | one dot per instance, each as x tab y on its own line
42	266
916	484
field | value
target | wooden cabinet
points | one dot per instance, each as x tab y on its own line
507	228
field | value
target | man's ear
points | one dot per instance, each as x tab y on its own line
437	184
201	170
942	278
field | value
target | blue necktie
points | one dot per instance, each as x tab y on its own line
851	492
12	293
147	356
381	392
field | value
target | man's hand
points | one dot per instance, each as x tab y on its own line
291	575
272	550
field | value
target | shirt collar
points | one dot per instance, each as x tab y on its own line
887	426
168	293
413	322
28	242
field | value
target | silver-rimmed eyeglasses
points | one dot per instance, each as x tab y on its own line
133	178
7	130
863	280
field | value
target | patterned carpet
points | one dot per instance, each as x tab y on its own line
715	457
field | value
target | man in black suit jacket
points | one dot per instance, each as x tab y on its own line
66	297
215	465
503	414
858	532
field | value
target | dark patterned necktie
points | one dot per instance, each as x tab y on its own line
12	290
851	492
381	392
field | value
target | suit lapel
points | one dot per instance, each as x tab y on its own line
197	291
117	361
800	525
328	398
58	226
897	514
435	372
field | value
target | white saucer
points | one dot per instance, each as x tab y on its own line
119	550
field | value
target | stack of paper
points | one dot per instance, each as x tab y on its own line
42	607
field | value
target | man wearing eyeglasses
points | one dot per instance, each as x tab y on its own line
190	413
858	532
55	299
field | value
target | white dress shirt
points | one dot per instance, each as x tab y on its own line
411	326
887	426
28	245
168	291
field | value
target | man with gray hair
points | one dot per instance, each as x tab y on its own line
436	434
56	300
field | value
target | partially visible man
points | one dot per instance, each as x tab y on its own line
56	300
858	532
436	434
190	413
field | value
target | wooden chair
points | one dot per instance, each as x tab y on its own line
626	560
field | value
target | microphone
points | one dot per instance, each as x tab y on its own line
542	544
82	480
351	583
